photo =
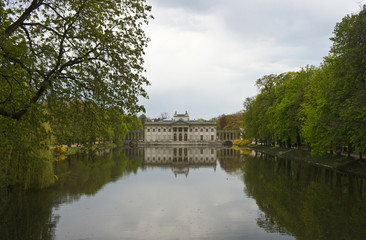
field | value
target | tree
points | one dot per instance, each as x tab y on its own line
68	69
326	106
335	100
285	118
222	122
72	49
234	122
347	57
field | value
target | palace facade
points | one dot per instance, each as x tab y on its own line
180	130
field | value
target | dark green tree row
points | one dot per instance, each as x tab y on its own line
323	107
70	72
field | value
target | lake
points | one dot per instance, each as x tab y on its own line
187	193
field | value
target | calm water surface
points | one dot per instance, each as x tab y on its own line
188	193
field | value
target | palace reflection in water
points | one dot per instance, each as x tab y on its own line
282	199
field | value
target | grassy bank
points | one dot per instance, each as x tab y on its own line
342	163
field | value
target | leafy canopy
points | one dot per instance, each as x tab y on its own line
74	49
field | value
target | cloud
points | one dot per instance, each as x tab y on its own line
205	55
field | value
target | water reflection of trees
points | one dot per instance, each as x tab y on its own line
29	214
229	160
307	201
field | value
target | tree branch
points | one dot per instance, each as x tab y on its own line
11	89
29	39
5	54
44	26
14	26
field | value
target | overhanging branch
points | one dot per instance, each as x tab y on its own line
14	26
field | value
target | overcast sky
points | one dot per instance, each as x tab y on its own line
205	55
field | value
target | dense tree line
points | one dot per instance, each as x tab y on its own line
87	123
70	72
323	107
229	122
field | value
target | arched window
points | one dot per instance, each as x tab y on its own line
175	137
180	137
185	137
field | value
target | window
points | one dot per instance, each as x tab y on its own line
153	129
212	129
201	129
148	129
206	129
169	129
158	129
164	130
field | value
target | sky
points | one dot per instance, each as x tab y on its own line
205	55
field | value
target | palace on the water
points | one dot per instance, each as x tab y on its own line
180	130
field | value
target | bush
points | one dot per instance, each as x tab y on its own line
240	142
60	149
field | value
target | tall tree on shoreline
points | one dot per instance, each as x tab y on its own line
348	58
69	69
325	106
87	49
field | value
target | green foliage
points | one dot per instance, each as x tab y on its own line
80	50
25	156
231	122
86	123
324	106
69	72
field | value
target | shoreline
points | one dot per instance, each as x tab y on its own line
337	162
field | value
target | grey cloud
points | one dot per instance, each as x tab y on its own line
190	5
245	39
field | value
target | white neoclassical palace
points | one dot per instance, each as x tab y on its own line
180	130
